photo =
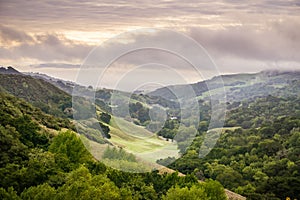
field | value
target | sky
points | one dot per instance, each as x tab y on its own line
56	36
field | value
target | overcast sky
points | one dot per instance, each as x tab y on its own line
55	36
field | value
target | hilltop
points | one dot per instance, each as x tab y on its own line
9	70
237	86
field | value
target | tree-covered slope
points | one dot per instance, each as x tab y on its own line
257	154
40	93
13	108
38	162
259	157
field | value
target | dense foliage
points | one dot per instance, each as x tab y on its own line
40	93
40	162
138	111
259	156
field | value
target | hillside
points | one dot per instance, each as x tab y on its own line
258	148
42	158
238	86
66	86
53	100
12	107
40	93
8	70
259	156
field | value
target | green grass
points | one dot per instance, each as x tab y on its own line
130	128
146	146
139	141
148	149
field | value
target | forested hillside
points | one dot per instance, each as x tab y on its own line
257	154
42	158
40	93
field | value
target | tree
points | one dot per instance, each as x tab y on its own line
203	126
69	150
28	130
105	130
214	190
82	185
9	194
104	117
193	193
118	154
41	165
12	150
267	132
40	192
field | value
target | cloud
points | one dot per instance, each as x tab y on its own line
272	42
46	47
56	66
148	49
119	14
233	32
9	35
277	41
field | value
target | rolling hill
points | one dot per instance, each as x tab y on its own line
258	148
40	93
239	86
36	151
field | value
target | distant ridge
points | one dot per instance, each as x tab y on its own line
9	70
64	85
238	86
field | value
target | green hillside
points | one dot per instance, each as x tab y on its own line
138	140
13	108
42	158
53	101
257	154
238	86
40	93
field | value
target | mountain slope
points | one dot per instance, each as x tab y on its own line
66	86
39	163
257	150
40	93
12	107
237	86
